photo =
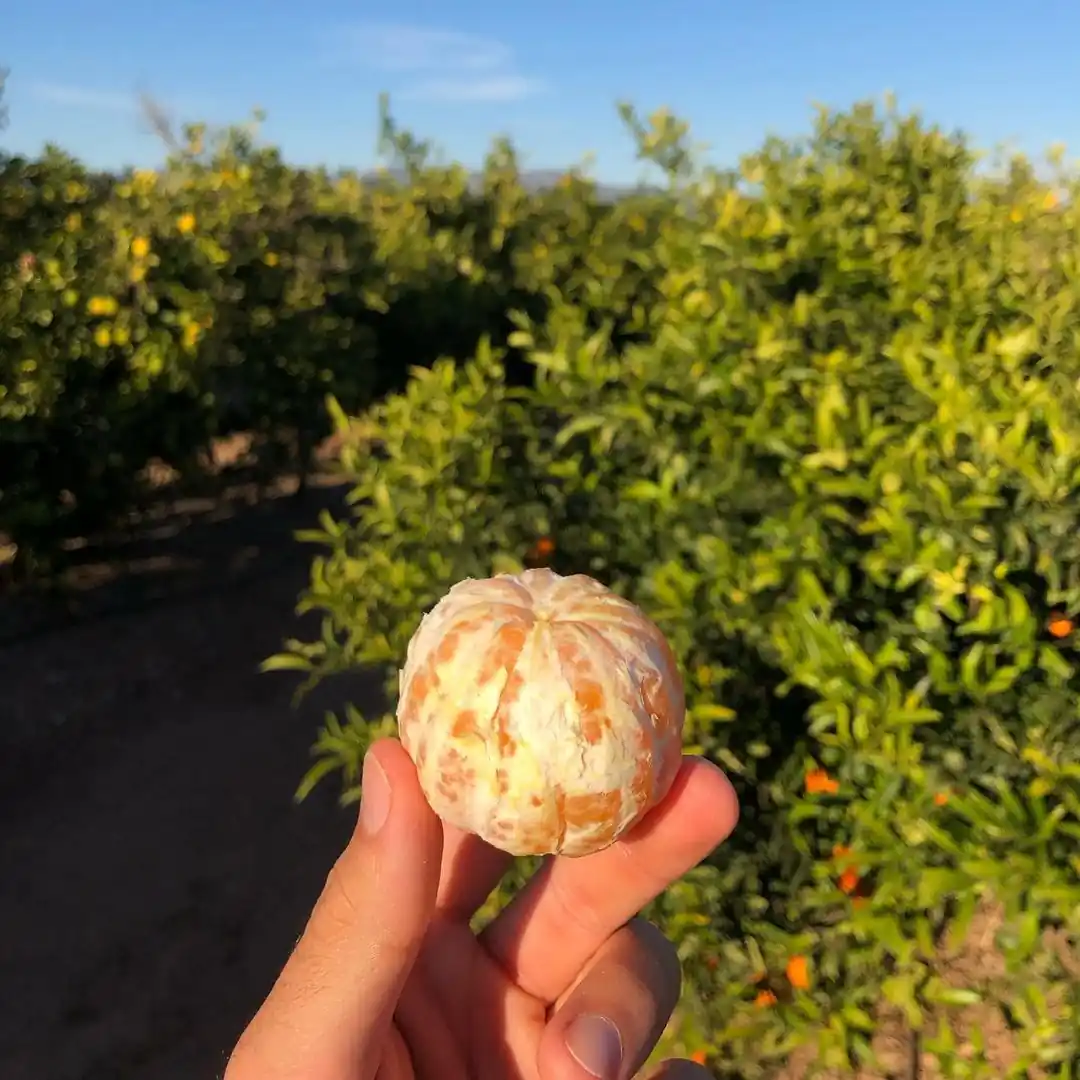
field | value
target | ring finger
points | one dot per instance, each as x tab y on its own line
608	1022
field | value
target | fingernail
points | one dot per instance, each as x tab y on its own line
595	1044
374	797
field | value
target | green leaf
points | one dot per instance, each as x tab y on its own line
285	662
955	995
709	711
644	491
936	884
317	772
580	425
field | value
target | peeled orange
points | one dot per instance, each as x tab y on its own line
543	713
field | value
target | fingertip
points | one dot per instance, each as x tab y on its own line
701	800
394	758
610	1020
714	791
394	811
400	771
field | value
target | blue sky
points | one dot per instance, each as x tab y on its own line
547	74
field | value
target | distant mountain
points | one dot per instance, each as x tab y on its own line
532	180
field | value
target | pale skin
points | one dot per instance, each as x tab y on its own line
389	982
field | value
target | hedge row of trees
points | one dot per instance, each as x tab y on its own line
821	419
819	416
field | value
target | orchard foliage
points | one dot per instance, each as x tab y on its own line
143	315
819	418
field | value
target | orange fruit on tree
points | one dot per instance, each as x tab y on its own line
544	713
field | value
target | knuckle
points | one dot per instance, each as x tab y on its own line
337	901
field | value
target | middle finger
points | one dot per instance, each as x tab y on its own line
548	932
471	868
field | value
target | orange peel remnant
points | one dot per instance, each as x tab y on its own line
544	713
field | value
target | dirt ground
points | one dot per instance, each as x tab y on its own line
154	870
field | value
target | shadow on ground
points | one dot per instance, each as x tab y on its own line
155	870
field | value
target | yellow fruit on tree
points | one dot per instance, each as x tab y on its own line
102	305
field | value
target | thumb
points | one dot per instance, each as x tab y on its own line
328	1016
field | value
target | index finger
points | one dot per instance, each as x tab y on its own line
547	933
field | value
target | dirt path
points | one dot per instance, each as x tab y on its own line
154	871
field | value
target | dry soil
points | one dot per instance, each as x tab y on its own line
154	870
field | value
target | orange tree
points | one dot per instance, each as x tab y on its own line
80	365
143	314
146	313
836	458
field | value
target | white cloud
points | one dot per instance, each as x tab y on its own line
83	97
400	47
444	65
493	88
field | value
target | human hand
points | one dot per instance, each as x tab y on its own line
566	983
